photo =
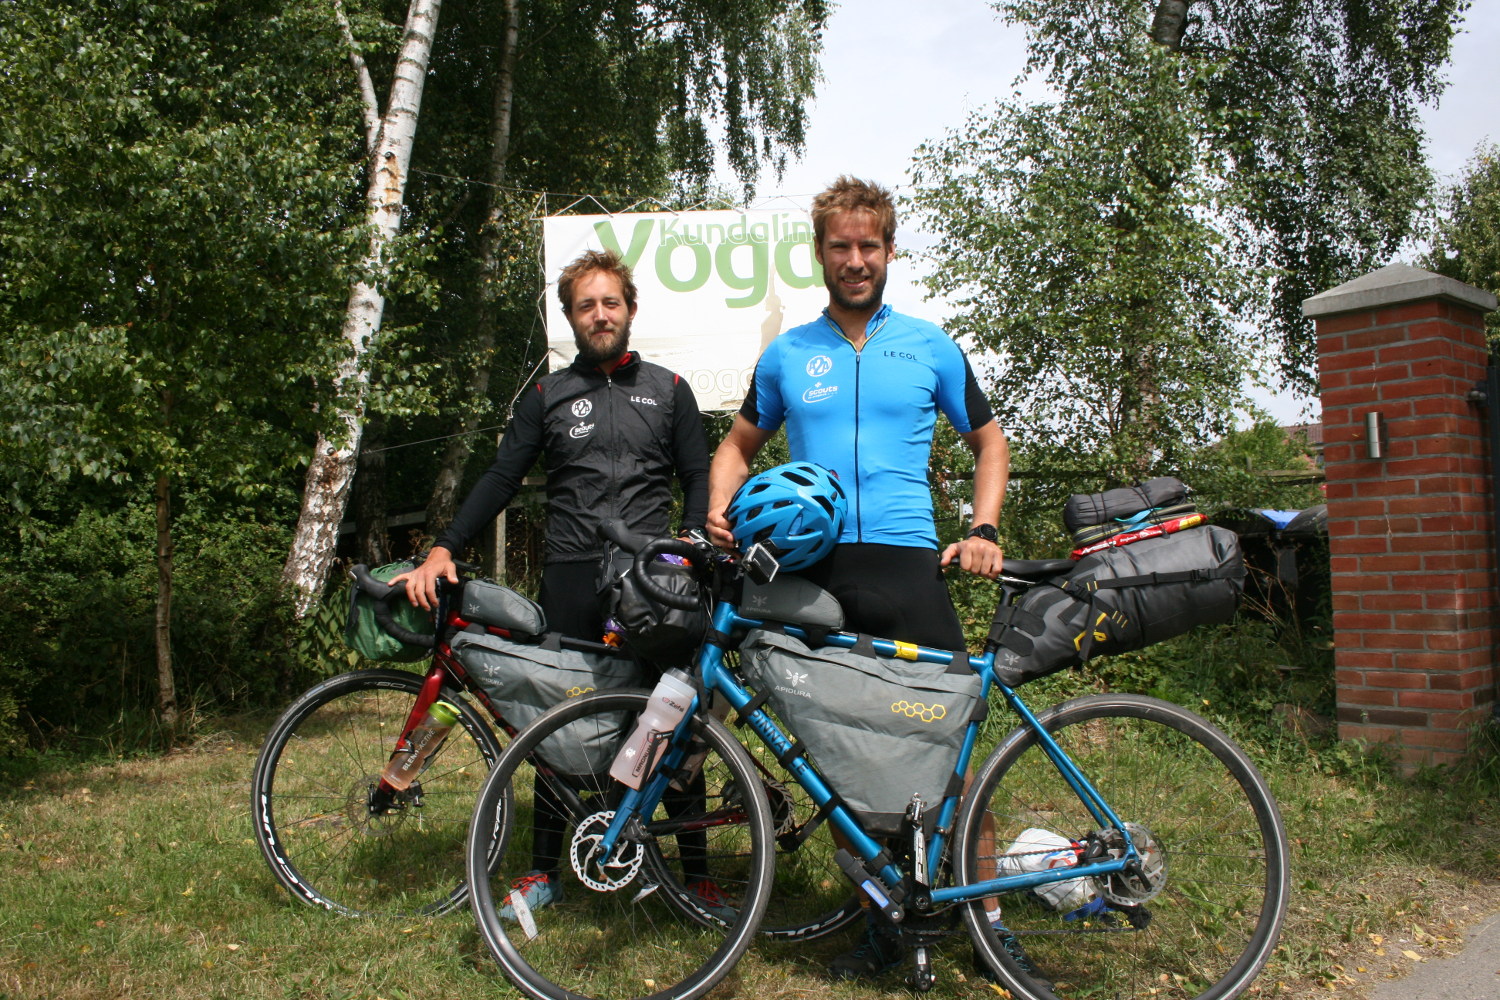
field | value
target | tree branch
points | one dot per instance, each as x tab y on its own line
369	103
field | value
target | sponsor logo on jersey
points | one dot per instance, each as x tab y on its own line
643	400
820	366
903	355
581	431
818	393
582	408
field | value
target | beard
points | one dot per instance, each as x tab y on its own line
844	300
597	350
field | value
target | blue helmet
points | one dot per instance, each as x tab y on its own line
799	508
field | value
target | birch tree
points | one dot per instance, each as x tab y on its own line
389	137
1315	107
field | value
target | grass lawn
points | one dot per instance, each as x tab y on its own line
140	879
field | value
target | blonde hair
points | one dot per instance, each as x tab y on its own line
850	194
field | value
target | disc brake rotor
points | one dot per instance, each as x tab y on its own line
601	874
1138	884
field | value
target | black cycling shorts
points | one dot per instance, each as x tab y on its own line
891	591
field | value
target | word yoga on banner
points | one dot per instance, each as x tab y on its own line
714	288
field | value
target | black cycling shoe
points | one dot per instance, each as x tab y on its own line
879	950
1012	948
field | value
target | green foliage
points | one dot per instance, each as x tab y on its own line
1233	473
173	231
77	660
1313	108
1100	223
1466	238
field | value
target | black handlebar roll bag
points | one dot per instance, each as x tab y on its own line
1120	599
664	636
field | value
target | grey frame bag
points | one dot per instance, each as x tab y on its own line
878	728
525	678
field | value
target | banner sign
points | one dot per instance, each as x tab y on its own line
714	288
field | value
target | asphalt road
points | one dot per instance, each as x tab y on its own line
1472	974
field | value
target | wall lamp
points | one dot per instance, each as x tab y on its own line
1375	434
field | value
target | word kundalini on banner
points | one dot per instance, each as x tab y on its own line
715	288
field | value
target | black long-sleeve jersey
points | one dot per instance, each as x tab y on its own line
612	444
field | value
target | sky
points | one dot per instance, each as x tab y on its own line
897	74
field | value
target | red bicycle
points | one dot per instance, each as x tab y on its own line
338	836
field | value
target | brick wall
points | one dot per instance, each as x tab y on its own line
1411	533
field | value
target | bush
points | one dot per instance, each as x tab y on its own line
77	640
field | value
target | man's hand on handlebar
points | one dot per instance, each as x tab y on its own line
421	583
976	555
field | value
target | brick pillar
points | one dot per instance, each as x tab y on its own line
1411	532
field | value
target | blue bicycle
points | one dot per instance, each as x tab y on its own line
1111	846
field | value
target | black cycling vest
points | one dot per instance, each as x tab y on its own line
607	445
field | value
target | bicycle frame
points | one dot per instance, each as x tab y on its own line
717	678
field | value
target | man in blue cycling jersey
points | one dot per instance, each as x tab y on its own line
859	389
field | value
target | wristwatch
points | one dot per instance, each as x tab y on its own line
985	531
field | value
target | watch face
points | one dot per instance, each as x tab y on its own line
985	531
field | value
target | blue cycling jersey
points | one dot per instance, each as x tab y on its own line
868	415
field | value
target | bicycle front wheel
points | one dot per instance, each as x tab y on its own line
1198	918
608	926
332	837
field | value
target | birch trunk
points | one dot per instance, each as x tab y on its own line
444	500
1169	22
331	471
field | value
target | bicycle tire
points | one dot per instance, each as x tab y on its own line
613	933
327	839
1213	907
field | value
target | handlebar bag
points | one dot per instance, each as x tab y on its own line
1120	599
363	634
662	635
523	680
878	728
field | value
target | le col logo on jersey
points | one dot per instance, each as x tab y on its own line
643	400
820	366
582	408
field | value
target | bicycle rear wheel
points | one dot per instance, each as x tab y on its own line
614	932
331	837
1199	919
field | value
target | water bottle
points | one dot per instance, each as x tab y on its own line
1038	850
403	768
664	710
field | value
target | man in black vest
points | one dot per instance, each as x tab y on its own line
613	430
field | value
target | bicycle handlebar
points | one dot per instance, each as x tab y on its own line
383	593
654	590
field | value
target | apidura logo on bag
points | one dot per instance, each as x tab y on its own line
917	710
795	679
